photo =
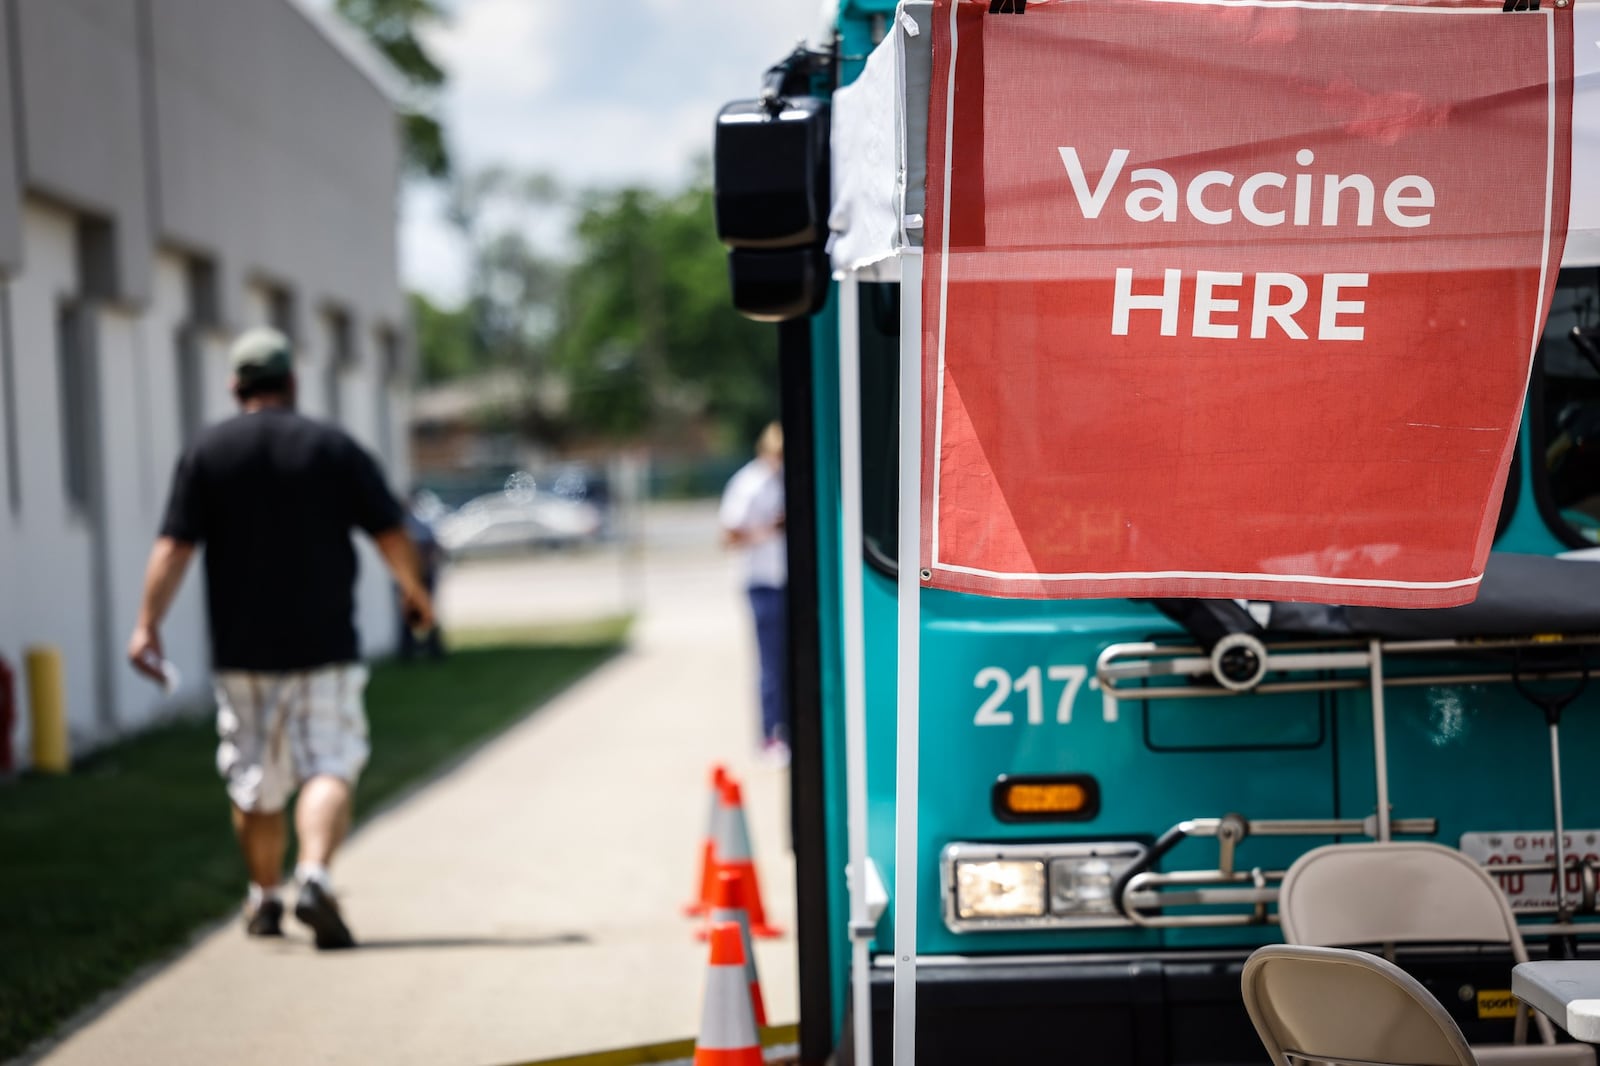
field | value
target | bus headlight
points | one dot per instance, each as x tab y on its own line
1000	889
1034	886
1083	885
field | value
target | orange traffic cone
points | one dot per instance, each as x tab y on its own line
733	855
727	1022
708	847
730	908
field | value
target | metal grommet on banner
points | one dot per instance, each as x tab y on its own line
927	575
1008	7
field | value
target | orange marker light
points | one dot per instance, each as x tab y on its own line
1056	797
1045	799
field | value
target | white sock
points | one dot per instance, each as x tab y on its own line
312	871
258	894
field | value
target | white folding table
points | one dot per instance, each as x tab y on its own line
1567	992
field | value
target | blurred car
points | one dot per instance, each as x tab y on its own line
513	520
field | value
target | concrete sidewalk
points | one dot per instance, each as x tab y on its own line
528	903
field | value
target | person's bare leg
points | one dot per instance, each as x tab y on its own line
322	818
262	838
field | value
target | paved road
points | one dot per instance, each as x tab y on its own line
527	904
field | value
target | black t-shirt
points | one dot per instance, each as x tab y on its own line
273	496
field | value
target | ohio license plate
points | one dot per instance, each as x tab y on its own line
1518	848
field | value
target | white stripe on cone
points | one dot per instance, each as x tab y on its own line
728	1021
733	837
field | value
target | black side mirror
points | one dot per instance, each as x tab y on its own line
771	169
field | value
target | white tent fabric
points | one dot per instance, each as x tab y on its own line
1583	227
865	219
880	145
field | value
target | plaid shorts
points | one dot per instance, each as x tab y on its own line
280	729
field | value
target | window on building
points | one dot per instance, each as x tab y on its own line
1566	410
97	259
341	339
388	374
75	369
191	381
281	311
202	294
202	313
8	385
391	358
341	357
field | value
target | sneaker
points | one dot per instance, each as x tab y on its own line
775	753
264	918
316	907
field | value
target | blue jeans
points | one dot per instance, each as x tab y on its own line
770	607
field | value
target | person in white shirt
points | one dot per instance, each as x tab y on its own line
752	517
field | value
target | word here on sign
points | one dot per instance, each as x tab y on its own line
1252	290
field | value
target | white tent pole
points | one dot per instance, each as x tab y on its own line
855	681
909	662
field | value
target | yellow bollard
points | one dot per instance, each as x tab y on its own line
47	709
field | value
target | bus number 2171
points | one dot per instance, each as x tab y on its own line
998	705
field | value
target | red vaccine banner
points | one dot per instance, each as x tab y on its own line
1234	298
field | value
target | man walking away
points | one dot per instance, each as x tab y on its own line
752	517
273	497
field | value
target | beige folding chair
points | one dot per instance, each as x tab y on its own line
1342	1006
1413	893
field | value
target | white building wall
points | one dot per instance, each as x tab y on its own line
10	535
311	354
217	378
47	589
358	394
183	633
393	392
273	161
216	384
50	545
125	403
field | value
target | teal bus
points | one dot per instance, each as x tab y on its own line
1063	846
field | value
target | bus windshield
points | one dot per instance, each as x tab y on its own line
1567	410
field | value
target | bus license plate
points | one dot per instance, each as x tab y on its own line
1518	848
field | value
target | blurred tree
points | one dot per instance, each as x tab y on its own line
513	305
392	27
648	337
511	290
444	340
633	336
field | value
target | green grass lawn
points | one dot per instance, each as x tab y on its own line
119	863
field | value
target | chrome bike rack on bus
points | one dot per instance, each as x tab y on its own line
1242	663
1143	892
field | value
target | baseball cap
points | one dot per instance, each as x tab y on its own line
261	354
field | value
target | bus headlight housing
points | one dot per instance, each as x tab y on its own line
1083	885
999	887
